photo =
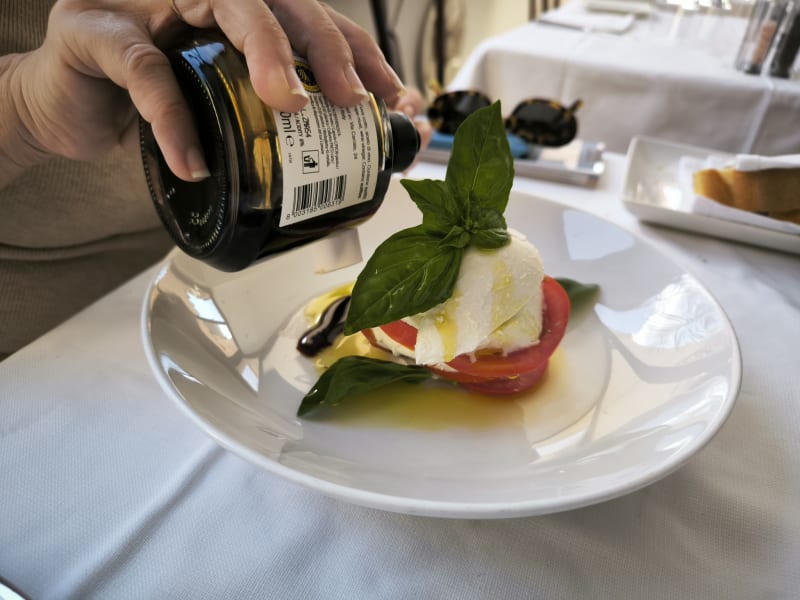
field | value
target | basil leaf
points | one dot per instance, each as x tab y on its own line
355	374
487	218
481	168
490	239
457	237
578	292
433	198
489	229
407	274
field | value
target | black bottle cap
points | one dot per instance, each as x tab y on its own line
405	141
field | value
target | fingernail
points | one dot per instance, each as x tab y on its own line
293	82
396	81
354	81
197	164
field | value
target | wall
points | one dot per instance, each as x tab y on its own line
485	19
468	23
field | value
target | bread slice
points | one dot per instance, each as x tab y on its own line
714	184
792	216
768	191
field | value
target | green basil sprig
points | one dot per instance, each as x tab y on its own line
415	269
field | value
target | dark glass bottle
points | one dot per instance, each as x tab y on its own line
765	20
278	180
787	43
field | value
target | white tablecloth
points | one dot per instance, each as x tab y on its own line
666	78
109	491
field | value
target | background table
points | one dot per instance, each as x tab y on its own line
109	491
667	78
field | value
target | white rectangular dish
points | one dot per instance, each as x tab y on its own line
652	191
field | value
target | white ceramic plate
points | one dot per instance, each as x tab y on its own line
642	381
653	192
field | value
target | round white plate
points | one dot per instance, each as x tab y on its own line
642	381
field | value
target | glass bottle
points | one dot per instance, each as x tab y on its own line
278	179
787	43
762	27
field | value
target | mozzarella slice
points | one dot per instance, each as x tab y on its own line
496	303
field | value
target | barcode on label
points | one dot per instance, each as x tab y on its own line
319	194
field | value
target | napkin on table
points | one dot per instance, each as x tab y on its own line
575	16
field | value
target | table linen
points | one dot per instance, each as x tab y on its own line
110	491
668	76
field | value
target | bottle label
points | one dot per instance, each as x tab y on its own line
330	154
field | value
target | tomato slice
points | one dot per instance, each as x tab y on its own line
458	376
508	385
371	338
496	373
402	333
554	325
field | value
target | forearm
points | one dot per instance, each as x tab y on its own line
18	149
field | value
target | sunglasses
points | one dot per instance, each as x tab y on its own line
537	121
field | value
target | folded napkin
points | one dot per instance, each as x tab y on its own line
691	202
575	16
632	7
754	162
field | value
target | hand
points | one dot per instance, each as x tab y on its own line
79	93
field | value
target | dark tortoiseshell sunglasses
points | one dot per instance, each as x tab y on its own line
537	120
